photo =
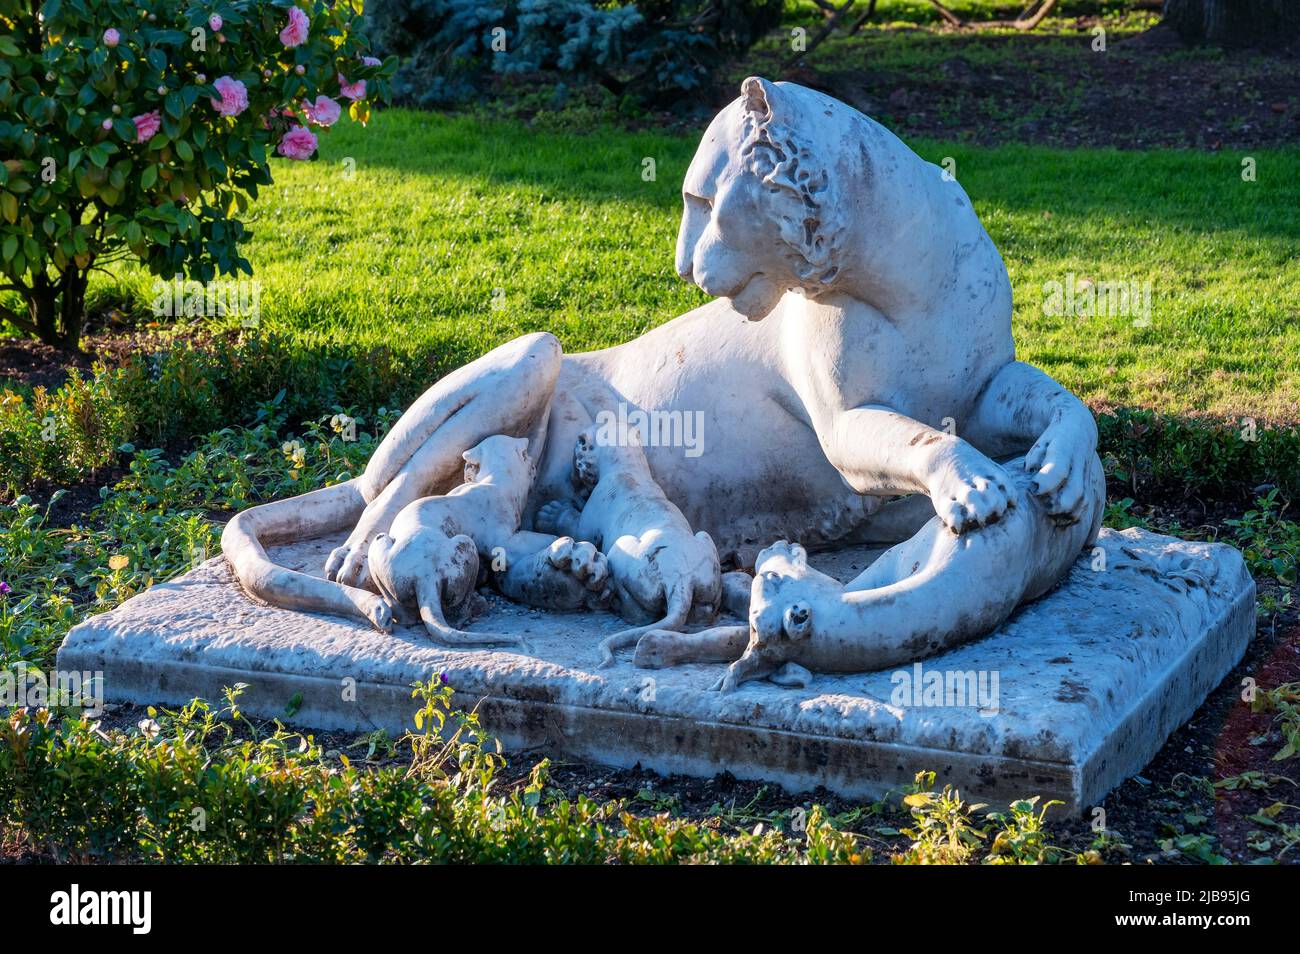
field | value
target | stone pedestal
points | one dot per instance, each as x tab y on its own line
1076	692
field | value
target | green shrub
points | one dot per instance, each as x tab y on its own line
203	784
60	436
1149	450
144	132
650	51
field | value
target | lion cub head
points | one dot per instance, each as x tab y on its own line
504	460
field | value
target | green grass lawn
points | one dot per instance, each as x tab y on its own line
411	248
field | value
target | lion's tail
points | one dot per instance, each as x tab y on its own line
430	600
298	518
679	602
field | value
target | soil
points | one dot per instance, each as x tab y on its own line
28	363
1145	91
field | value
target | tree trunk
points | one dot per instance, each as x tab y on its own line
43	306
57	309
74	308
1234	22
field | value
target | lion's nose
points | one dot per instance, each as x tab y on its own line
686	273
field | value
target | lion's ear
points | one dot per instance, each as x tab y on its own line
757	95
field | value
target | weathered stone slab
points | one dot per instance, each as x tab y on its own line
1090	679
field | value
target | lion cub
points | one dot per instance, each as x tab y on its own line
657	565
430	557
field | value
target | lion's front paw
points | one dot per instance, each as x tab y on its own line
1059	460
350	565
969	490
581	560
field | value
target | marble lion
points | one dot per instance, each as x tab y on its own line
858	348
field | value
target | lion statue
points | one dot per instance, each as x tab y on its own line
858	350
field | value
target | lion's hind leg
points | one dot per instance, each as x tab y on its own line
506	391
660	649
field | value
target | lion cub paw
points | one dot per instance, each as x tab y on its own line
558	517
581	560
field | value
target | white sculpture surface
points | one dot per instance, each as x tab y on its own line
859	348
657	566
430	562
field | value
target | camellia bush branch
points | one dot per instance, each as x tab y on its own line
143	128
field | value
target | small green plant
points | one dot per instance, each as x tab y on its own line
206	784
1269	542
1021	838
1119	515
59	436
1253	780
942	832
1285	701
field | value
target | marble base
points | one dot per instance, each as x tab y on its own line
1079	689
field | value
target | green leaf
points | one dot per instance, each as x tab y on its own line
148	177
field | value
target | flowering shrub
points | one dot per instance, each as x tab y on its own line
143	130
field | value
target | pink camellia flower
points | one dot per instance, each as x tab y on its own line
215	22
146	125
234	97
323	112
295	32
298	143
111	37
107	124
355	90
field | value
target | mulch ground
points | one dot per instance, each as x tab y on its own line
1145	91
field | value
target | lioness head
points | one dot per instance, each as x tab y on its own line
763	212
